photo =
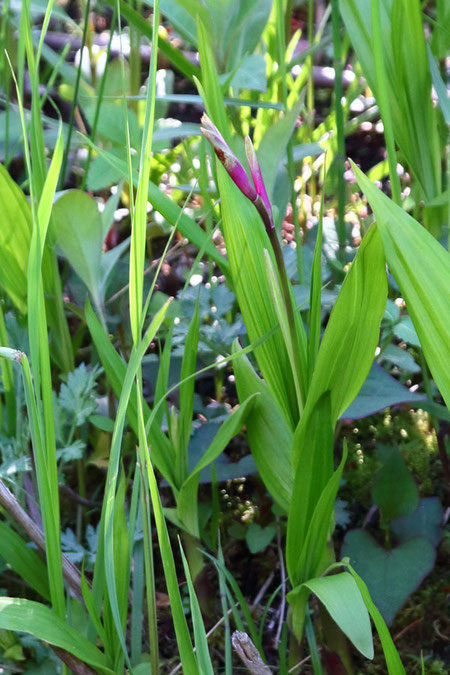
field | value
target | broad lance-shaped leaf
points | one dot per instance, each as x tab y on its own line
313	473
269	435
79	233
31	617
15	235
311	519
348	346
246	240
421	267
342	598
393	661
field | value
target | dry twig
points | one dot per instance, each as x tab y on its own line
248	654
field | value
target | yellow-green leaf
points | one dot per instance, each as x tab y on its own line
421	267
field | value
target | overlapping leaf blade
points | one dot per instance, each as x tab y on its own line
269	435
32	617
408	80
421	267
351	616
348	346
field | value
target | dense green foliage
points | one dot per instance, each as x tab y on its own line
224	363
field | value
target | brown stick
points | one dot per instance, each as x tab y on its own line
76	666
248	654
10	503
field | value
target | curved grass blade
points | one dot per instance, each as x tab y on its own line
421	267
31	617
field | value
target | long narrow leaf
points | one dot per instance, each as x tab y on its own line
421	267
351	616
201	641
393	661
315	469
113	468
269	436
348	346
31	617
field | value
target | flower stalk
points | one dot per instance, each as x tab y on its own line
256	192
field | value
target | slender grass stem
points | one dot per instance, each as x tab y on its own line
99	101
281	30
62	179
6	76
148	543
383	101
287	297
340	133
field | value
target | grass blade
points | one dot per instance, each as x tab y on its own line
201	641
421	267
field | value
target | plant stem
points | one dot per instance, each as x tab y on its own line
282	29
99	101
382	99
286	291
62	177
340	157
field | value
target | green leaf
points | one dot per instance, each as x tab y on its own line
15	236
272	149
78	395
187	500
23	560
210	87
283	319
102	422
201	641
425	521
251	74
405	331
246	240
400	357
258	538
421	267
188	365
340	595
351	336
306	548
378	392
315	469
407	81
79	233
441	89
115	369
391	576
393	662
31	617
394	490
245	26
269	436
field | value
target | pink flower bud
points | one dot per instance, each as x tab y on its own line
229	160
237	172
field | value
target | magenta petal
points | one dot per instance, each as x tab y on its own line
255	170
229	160
263	204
